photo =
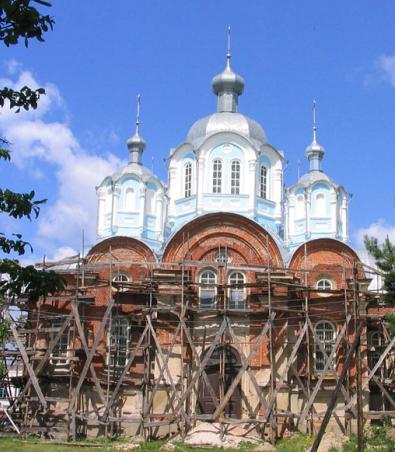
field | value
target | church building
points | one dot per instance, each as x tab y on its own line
219	295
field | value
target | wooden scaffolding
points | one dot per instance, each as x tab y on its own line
281	311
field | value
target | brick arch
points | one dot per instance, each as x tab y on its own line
203	235
124	249
326	258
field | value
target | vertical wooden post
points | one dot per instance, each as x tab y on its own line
357	329
310	422
273	430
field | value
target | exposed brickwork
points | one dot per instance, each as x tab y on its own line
328	259
198	239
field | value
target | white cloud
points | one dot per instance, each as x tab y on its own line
63	252
379	229
386	64
12	66
50	100
44	147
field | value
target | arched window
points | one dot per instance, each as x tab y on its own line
188	180
118	279
129	199
217	176
263	182
237	290
207	289
149	200
324	284
299	213
326	334
235	178
320	205
118	342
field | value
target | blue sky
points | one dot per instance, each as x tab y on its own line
101	54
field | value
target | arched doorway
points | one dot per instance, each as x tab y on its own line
221	370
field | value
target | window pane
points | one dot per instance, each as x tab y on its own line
61	347
118	342
324	284
325	332
188	180
207	289
235	178
263	183
236	294
217	176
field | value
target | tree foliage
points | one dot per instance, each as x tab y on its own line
384	256
20	19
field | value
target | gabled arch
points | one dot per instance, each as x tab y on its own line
125	249
326	257
253	243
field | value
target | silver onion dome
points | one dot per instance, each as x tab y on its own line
136	141
228	81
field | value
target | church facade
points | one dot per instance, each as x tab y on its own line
221	296
226	164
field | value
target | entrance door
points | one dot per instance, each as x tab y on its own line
221	371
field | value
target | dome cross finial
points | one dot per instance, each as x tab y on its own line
228	54
138	115
314	121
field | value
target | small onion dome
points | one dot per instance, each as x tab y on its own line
136	141
314	148
315	152
228	81
136	145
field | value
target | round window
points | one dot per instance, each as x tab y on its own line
323	285
118	279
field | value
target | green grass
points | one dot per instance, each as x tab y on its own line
36	445
378	439
296	443
18	445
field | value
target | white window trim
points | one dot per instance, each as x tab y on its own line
244	289
215	289
110	334
237	179
321	291
118	275
185	189
220	179
318	349
60	360
265	187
